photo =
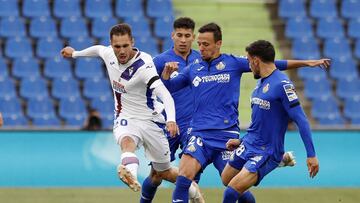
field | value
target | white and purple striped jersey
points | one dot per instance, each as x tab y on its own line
133	85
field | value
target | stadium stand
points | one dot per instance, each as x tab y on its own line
40	89
329	28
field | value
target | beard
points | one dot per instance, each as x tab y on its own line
257	76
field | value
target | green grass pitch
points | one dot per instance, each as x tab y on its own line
117	195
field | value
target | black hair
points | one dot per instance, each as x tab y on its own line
184	22
121	29
262	49
213	28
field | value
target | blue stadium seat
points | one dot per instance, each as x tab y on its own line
299	27
352	110
74	111
314	87
98	8
7	88
291	8
9	8
337	48
35	8
167	44
57	68
330	28
140	26
79	43
105	107
148	45
323	8
312	73
4	72
89	68
12	26
46	122
63	88
332	120
129	8
49	47
18	47
305	48
354	28
97	88
67	8
343	68
34	87
73	27
12	112
163	27
101	26
159	8
350	8
43	27
325	108
26	67
348	88
104	41
40	108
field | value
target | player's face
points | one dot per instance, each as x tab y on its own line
254	66
123	47
209	49
183	39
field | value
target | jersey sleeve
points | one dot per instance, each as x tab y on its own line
243	63
292	106
178	81
281	64
93	51
149	75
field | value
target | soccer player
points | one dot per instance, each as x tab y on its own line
215	81
138	119
273	102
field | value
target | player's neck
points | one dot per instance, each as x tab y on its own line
267	69
183	55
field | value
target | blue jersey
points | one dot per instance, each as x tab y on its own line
183	98
216	86
274	102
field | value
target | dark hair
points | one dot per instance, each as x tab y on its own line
262	49
184	22
214	28
121	29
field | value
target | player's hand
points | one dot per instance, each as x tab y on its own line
313	166
169	68
232	144
172	128
67	52
1	120
323	63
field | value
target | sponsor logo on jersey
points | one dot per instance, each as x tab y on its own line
112	63
219	78
263	104
266	88
199	69
191	148
220	66
290	92
226	155
118	87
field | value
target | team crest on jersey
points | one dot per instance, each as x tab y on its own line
131	70
290	92
112	63
191	148
266	88
196	61
220	65
118	87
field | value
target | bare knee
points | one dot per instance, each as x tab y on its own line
127	144
189	166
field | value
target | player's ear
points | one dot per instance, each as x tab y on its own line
132	42
218	44
172	35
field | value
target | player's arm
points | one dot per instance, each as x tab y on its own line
173	80
322	63
92	51
292	105
1	120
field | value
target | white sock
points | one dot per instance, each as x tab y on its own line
131	162
192	191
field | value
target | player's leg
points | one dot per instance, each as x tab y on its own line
126	136
227	172
238	185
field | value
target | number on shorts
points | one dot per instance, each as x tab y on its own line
123	122
240	150
198	141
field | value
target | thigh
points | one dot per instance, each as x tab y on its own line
243	180
196	149
126	128
156	145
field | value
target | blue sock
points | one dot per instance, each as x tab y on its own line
148	190
181	191
230	195
246	197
